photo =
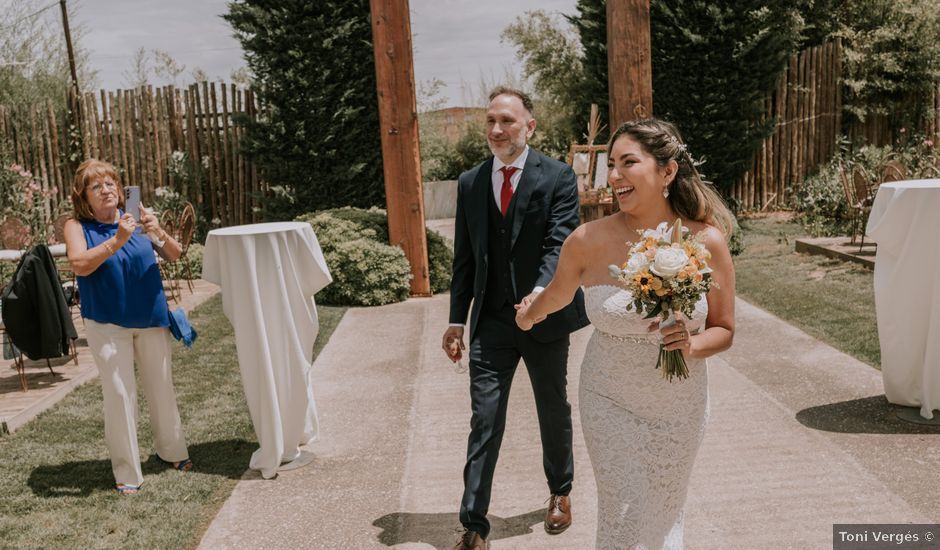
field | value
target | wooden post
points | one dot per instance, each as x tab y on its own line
398	121
629	63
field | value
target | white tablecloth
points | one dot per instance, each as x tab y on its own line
905	222
269	273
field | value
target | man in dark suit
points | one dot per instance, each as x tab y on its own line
514	211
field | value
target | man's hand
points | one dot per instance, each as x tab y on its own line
522	313
452	343
522	319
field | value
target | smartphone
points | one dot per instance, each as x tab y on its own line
132	201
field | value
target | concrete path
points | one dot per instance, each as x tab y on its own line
800	437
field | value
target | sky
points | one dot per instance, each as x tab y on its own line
456	41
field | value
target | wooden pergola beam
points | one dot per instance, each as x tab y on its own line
629	61
398	121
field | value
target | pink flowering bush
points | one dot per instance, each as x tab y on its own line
24	197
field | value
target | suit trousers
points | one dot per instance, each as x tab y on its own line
115	350
495	350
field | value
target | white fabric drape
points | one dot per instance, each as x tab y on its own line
269	273
905	223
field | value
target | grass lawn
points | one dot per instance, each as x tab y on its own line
831	300
57	488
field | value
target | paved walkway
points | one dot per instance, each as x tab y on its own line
800	437
46	389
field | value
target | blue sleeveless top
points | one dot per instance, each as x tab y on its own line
126	290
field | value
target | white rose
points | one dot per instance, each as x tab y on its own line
660	233
637	263
669	261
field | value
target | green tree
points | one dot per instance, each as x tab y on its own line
714	65
590	22
892	58
551	61
314	71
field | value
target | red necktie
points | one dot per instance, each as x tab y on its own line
505	196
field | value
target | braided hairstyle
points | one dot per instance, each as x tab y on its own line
689	195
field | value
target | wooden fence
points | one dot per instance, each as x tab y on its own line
807	106
138	131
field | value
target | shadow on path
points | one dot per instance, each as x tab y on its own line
440	530
868	415
228	458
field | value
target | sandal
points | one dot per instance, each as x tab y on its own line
184	465
123	489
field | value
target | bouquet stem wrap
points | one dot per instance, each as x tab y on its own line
671	363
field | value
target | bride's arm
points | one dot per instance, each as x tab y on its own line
719	325
565	283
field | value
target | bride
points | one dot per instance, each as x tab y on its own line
642	431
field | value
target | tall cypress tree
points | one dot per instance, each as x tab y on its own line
318	136
714	64
591	25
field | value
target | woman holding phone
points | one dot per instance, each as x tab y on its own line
126	317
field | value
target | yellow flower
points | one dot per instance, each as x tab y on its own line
656	283
662	292
643	281
697	278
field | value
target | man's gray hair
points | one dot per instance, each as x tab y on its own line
506	90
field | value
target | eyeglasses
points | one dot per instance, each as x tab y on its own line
99	188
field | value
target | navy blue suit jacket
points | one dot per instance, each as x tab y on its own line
545	212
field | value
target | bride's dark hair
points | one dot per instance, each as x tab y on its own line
689	195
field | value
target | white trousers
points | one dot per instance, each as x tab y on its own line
115	350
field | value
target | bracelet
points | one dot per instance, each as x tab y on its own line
108	247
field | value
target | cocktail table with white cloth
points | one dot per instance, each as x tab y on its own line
269	273
905	223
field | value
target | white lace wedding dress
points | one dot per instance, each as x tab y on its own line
642	432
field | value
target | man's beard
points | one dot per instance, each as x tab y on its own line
511	148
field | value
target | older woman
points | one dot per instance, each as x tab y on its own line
126	317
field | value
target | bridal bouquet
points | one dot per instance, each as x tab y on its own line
666	271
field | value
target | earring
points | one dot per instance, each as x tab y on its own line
665	192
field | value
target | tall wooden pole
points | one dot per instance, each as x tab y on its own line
74	95
629	63
398	121
68	43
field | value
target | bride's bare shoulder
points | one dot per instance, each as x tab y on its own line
593	232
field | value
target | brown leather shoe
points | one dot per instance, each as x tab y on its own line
558	517
471	540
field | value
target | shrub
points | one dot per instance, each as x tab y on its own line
440	250
820	202
194	259
365	272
